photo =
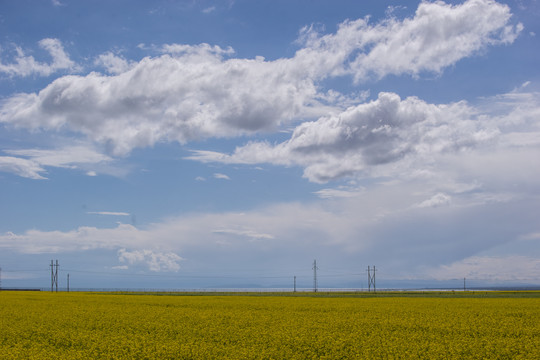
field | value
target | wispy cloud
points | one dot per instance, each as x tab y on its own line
340	192
495	268
72	157
63	157
221	176
209	10
111	213
22	167
244	232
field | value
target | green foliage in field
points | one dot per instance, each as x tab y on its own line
114	326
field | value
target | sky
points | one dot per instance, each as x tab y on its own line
229	144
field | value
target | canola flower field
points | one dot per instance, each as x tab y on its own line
40	325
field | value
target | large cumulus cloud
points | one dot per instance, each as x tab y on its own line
384	131
200	91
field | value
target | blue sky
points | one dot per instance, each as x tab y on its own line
187	144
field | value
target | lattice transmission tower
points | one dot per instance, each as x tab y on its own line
371	278
54	275
315	268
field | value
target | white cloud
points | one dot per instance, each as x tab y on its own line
436	200
221	176
156	261
392	9
384	131
81	239
191	234
501	268
114	64
68	157
409	138
63	157
437	36
193	92
22	167
195	50
111	213
244	232
340	192
166	99
25	65
208	10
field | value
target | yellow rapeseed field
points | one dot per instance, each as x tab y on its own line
36	325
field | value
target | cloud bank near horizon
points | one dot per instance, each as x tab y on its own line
379	224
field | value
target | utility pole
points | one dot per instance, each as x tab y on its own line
54	276
294	283
315	268
371	278
68	283
464	286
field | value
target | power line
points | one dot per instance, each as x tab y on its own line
25	270
208	276
180	276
